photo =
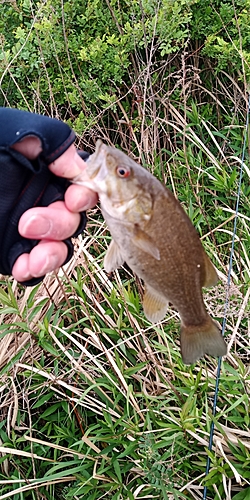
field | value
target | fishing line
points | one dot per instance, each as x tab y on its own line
211	436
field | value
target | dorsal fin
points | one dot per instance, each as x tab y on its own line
211	277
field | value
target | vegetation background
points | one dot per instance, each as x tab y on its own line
95	401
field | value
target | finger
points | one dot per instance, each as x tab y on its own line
69	164
43	258
79	198
30	147
20	270
54	222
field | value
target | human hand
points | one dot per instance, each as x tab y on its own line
54	223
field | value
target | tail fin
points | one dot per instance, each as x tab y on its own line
198	340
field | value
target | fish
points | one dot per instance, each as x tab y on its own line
153	235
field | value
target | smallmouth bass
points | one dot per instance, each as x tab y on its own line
153	235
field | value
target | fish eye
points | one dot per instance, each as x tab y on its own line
123	172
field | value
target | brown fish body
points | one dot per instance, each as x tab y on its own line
181	255
154	236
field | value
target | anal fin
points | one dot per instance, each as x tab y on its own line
154	305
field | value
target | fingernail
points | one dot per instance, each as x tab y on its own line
51	263
37	227
26	276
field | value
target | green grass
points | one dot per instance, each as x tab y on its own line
95	401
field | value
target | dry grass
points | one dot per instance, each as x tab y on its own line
95	401
99	357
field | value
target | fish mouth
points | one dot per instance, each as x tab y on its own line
83	179
96	160
96	169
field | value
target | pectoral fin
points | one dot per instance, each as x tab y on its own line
143	241
113	258
211	277
154	305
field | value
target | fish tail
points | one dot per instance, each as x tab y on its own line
198	340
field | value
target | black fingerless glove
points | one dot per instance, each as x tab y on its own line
29	183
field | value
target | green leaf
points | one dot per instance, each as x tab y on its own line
43	400
117	470
52	409
242	495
